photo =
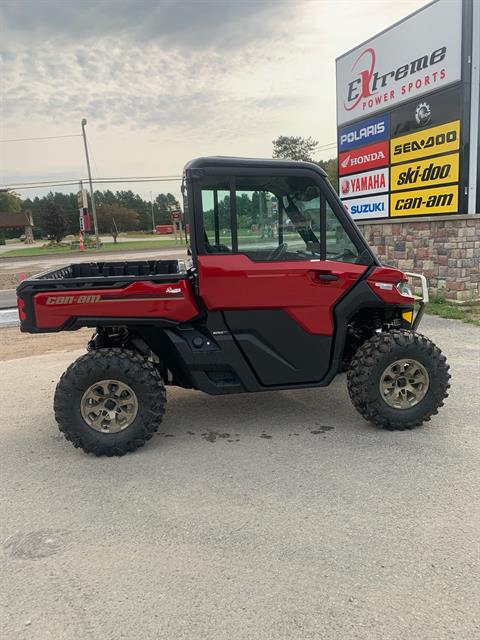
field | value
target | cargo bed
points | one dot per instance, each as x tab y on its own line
104	293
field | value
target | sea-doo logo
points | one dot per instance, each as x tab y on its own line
369	83
371	157
429	142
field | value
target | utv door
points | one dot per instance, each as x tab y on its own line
274	256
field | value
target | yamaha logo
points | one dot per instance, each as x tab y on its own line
423	114
345	186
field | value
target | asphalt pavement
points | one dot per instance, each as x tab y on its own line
281	515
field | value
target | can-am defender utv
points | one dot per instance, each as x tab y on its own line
281	292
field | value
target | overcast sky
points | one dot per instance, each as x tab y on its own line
163	81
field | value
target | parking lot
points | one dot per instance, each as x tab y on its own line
278	515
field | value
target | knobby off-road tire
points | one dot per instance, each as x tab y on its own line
376	357
138	382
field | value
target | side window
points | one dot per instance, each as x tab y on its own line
274	218
217	217
339	247
278	218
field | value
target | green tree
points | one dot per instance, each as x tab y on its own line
331	169
295	148
10	202
55	223
298	148
115	218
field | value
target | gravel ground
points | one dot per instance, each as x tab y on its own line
275	516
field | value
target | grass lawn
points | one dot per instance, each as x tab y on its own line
467	312
133	245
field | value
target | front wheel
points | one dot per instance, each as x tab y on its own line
398	380
109	402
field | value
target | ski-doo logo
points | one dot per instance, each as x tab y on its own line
371	157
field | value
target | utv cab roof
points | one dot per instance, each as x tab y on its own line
251	163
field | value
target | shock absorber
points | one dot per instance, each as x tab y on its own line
377	322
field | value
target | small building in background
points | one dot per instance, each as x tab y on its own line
22	220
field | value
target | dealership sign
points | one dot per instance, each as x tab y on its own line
430	172
415	57
372	207
408	121
424	201
366	132
370	157
363	184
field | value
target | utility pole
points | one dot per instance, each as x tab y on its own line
94	211
153	215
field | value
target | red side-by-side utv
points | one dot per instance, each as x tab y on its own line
281	292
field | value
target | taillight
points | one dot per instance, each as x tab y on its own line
21	309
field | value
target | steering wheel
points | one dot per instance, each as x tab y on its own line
278	252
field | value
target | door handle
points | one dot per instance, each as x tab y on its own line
326	277
323	277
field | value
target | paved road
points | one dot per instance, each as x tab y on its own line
304	522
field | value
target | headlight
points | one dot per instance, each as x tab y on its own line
404	290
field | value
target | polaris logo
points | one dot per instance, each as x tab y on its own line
365	132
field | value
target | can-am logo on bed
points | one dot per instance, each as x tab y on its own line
416	56
356	160
365	208
365	132
362	184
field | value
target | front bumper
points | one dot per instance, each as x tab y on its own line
420	299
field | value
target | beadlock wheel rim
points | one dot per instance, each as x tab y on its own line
109	406
404	383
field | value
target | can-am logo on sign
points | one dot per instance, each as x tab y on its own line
365	208
365	132
362	184
416	56
356	160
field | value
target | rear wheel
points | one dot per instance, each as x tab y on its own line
110	402
398	380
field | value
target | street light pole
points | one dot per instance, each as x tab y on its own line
153	215
94	211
